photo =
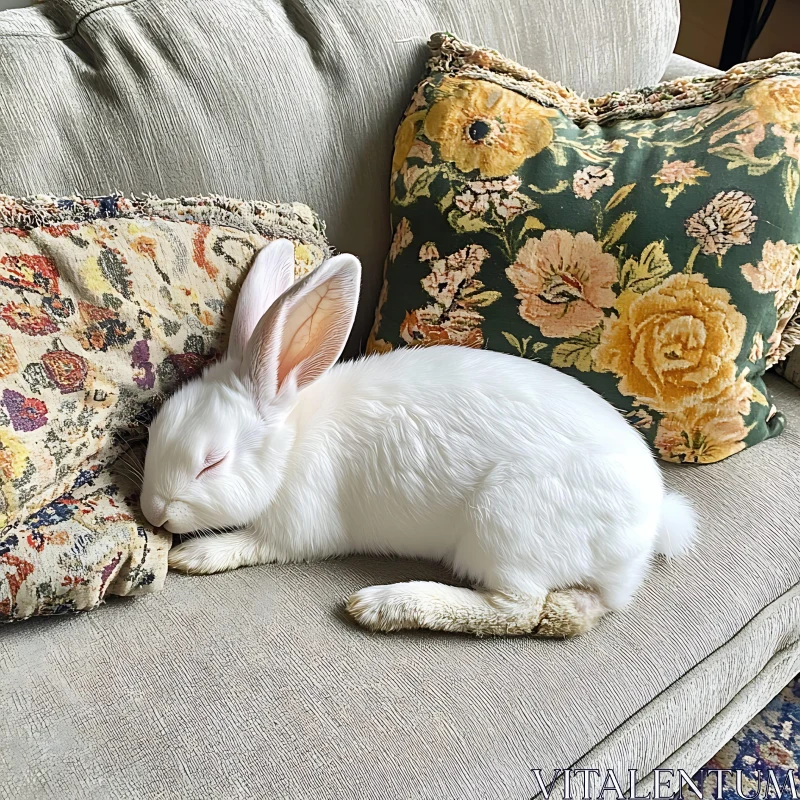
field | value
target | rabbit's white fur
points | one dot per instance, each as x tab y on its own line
520	478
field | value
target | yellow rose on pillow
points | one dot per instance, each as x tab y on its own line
675	345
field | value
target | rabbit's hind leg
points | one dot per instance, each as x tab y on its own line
439	607
621	579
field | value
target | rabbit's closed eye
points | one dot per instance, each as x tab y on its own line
212	460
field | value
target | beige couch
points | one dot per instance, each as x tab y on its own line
254	684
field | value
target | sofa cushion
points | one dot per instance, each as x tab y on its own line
254	683
635	241
272	98
106	305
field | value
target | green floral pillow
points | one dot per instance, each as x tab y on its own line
647	243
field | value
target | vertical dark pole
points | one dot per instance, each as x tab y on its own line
739	35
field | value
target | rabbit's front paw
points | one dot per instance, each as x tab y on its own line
200	556
382	608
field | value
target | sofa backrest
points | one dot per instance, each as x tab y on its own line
273	99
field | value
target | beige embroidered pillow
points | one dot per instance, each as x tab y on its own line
106	304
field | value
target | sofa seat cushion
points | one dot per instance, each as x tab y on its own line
255	684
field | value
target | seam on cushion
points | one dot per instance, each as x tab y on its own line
791	646
677	680
72	30
717	649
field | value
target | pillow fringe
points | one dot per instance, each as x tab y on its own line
450	54
271	220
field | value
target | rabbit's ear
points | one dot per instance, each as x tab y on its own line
305	330
270	276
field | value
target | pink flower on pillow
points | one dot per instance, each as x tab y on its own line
563	282
587	181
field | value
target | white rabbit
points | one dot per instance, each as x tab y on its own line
518	477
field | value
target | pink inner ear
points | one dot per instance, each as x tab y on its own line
312	336
305	330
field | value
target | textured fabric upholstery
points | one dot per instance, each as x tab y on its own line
262	99
254	684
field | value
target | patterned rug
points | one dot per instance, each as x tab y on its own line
770	741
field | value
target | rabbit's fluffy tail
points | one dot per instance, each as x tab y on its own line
677	527
439	607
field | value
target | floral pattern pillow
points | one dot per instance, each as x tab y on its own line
106	305
647	243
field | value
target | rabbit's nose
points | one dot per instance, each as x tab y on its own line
177	518
154	509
